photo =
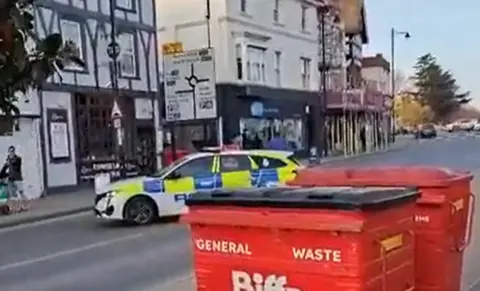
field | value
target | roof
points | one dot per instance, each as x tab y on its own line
376	61
241	152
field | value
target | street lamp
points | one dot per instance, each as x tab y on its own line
113	51
394	33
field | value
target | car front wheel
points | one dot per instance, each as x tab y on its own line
140	210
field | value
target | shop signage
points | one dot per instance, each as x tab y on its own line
88	170
258	109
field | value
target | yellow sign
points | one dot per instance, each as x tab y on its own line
171	48
392	243
458	205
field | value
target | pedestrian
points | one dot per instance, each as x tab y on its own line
278	143
12	170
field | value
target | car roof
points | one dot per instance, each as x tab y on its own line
268	153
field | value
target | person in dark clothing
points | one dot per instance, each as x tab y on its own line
257	142
12	171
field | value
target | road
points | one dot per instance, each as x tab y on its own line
78	253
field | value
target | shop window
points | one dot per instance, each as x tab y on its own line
292	129
8	126
96	139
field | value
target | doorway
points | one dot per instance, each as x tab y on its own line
145	146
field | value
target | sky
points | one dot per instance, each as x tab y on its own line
449	30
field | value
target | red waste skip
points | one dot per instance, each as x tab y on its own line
303	239
444	214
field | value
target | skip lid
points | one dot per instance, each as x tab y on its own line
346	198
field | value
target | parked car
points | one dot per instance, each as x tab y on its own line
426	131
451	127
467	124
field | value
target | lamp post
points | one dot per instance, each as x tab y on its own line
113	51
394	33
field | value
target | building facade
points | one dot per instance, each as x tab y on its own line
74	128
351	107
266	56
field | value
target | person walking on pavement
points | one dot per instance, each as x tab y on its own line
278	143
12	170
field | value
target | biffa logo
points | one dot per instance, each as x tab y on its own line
242	281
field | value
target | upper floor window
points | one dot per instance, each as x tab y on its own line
278	67
305	72
124	4
256	64
243	5
239	61
304	18
275	11
72	31
127	58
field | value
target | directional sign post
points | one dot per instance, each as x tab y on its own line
190	91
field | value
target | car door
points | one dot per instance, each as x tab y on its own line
197	174
270	171
235	171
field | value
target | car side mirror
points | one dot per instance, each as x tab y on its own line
174	175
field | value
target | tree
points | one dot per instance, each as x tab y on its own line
410	111
27	60
438	88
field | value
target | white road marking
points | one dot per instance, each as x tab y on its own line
45	221
68	252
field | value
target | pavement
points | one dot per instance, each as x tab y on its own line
78	252
51	207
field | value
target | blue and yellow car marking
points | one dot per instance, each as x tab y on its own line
170	194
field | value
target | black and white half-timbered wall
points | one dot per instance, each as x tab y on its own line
75	130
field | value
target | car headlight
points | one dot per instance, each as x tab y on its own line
111	194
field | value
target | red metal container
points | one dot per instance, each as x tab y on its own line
168	155
444	214
303	239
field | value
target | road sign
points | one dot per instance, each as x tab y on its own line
113	50
190	85
116	112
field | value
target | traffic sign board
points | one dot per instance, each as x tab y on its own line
190	85
116	112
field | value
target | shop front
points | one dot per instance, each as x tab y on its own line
261	114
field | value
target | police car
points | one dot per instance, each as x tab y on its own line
140	200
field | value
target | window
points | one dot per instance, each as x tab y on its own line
305	63
238	55
304	17
235	163
124	4
268	163
256	64
8	125
243	5
72	31
275	11
128	64
195	167
278	66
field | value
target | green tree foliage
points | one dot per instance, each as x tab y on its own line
26	59
438	88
